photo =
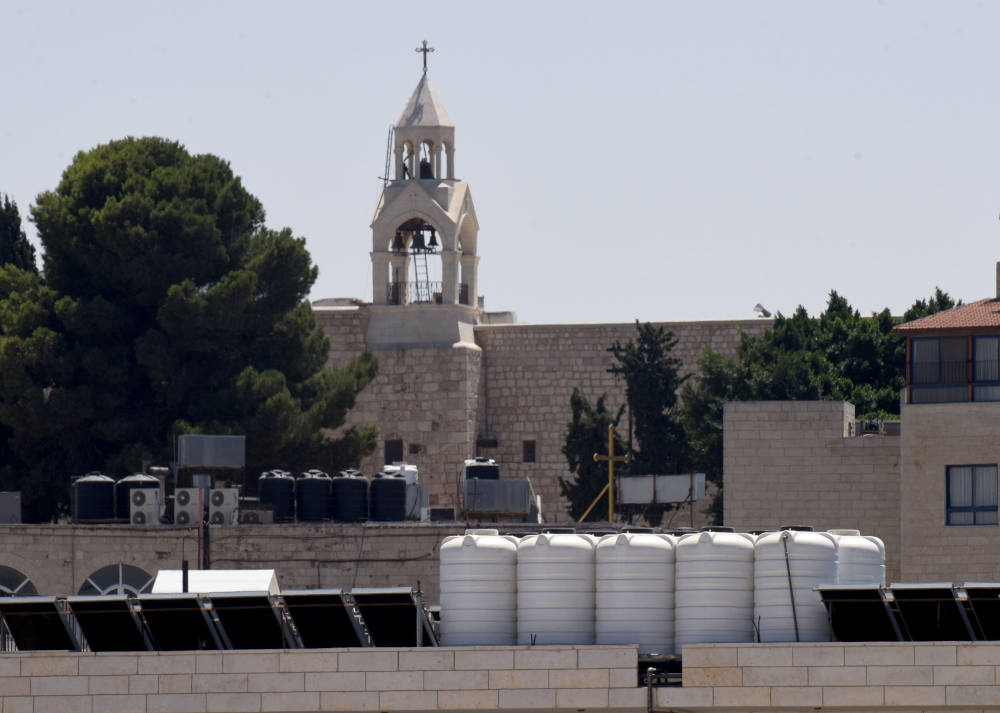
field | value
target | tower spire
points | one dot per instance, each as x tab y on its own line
425	49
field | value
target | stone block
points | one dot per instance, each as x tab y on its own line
101	685
730	676
709	656
818	656
838	676
19	704
261	662
49	666
294	661
19	686
147	683
394	681
166	663
174	683
176	703
547	658
10	665
63	704
900	655
852	696
775	676
519	678
208	663
367	661
348	701
935	655
440	660
579	678
900	675
600	657
301	701
627	698
915	696
219	683
796	697
455	680
336	681
764	655
469	700
232	702
108	665
582	698
623	678
60	686
275	682
743	697
979	654
119	704
407	700
527	698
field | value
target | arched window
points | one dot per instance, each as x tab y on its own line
118	579
15	584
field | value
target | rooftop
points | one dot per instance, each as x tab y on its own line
976	316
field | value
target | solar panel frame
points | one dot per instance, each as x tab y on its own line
930	611
394	616
326	618
108	623
984	604
859	612
38	624
179	622
242	618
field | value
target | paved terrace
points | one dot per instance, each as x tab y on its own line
734	677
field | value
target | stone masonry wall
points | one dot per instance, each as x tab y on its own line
531	371
936	436
792	463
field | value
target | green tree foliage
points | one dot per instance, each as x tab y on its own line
839	356
166	307
14	246
587	434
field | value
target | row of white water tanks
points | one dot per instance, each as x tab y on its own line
656	590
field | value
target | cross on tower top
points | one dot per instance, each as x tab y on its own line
425	49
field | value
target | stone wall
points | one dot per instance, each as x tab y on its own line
793	463
936	436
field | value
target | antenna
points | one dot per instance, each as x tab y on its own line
388	159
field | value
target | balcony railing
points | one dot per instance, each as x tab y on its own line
409	293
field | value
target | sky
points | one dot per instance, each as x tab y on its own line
628	160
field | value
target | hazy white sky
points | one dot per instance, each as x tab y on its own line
658	160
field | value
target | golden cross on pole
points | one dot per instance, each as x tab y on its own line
611	458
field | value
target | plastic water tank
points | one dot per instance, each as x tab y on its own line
860	558
555	589
713	588
94	498
312	495
635	591
388	498
787	565
277	489
478	589
349	497
124	488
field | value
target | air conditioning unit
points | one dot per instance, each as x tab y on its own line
144	506
224	506
256	517
188	506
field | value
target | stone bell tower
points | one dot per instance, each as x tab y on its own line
424	235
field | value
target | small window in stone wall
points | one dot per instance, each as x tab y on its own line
528	451
416	448
393	450
972	495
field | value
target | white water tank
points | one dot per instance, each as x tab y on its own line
478	594
713	588
787	565
555	589
635	591
860	558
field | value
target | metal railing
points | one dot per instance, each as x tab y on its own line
408	293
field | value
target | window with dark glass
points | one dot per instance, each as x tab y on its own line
985	371
528	451
393	451
938	369
972	495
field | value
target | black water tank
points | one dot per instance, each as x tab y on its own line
94	498
277	489
388	498
349	497
123	489
312	493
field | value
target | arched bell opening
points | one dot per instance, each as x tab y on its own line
429	164
416	264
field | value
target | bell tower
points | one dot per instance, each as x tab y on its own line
424	234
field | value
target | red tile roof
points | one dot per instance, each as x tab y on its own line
974	317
